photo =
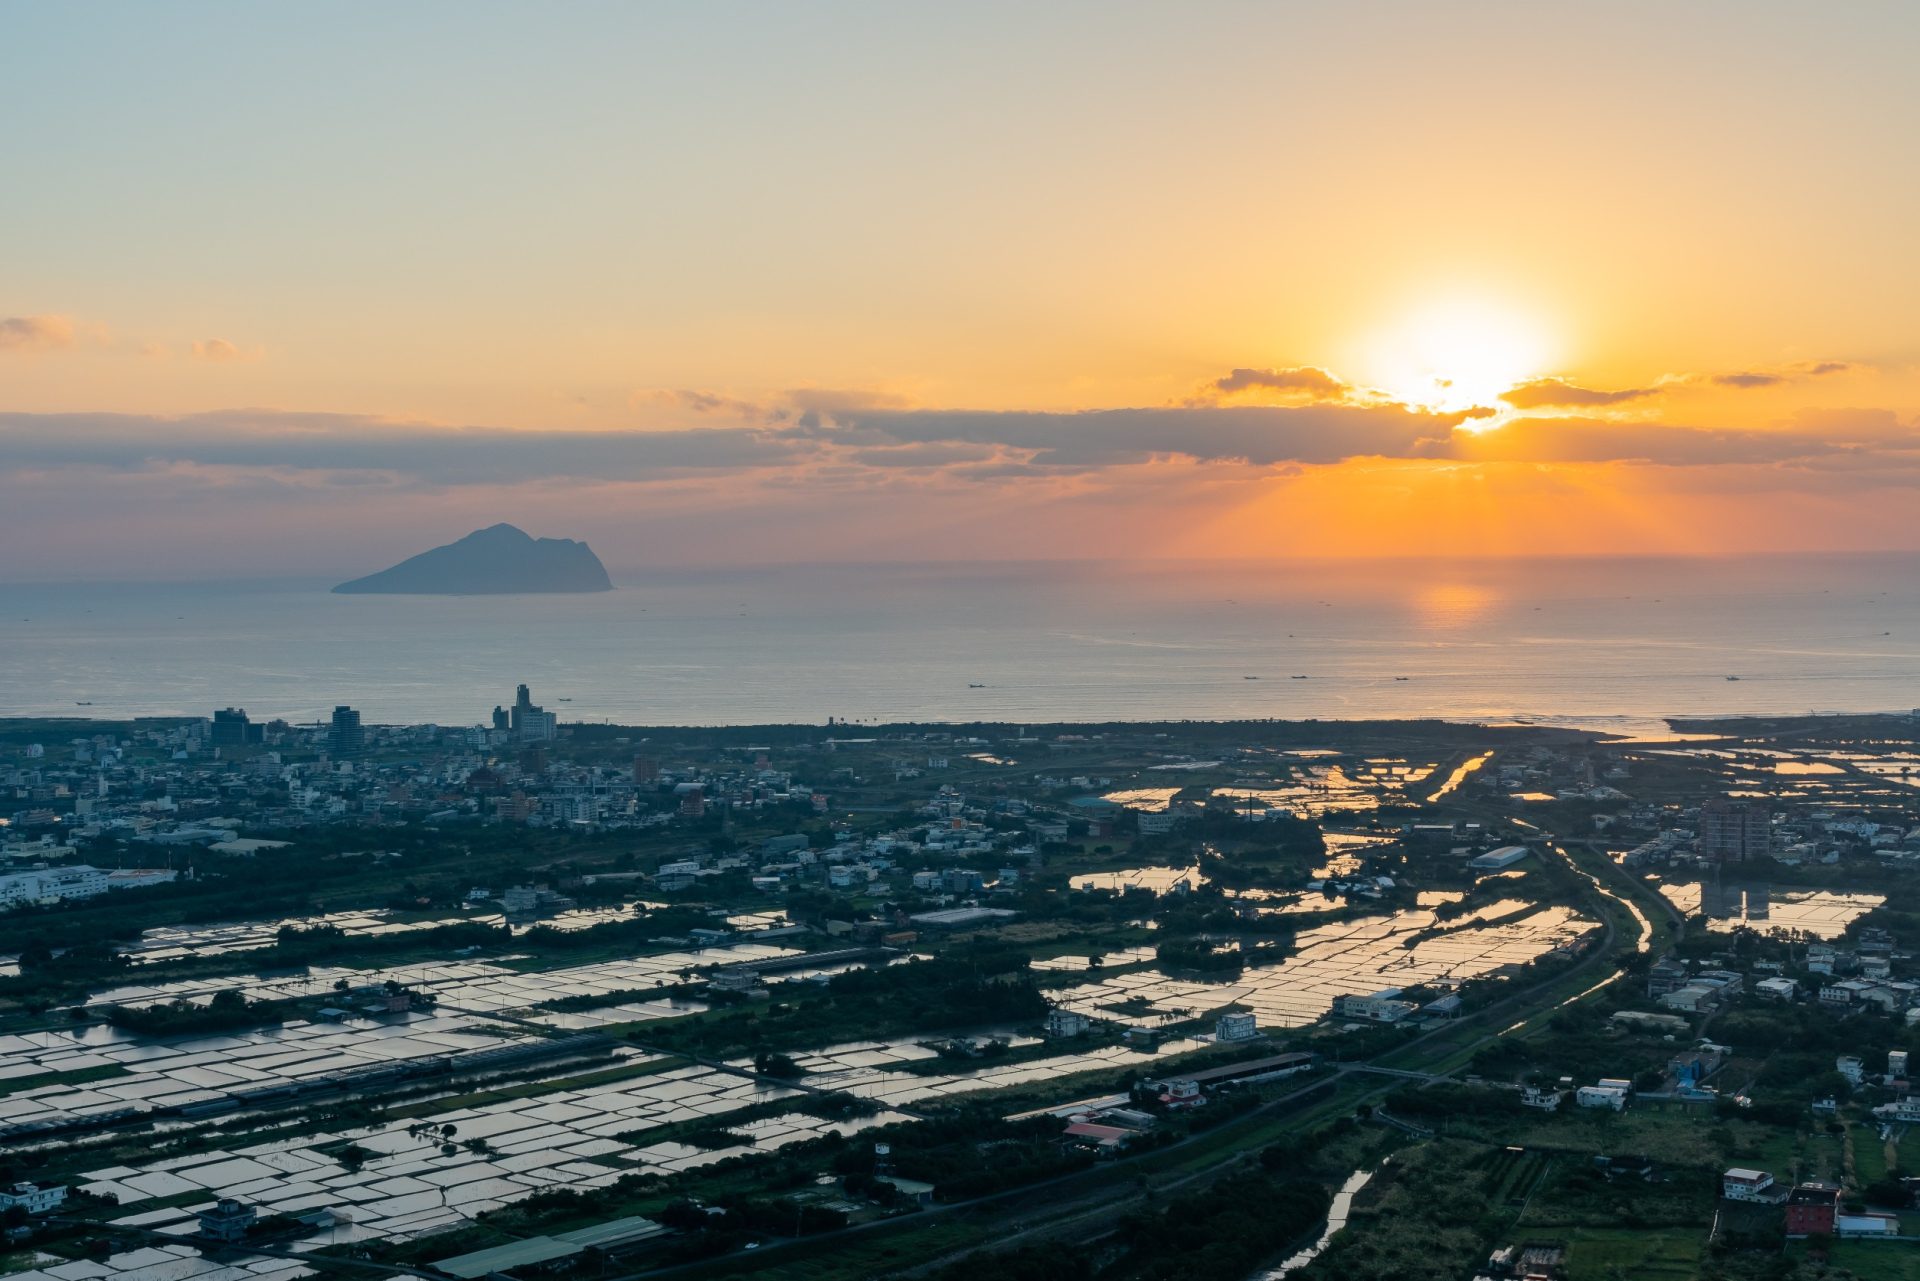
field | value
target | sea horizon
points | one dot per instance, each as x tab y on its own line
1614	643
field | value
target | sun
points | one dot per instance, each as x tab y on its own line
1458	354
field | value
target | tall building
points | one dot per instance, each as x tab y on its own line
1733	831
531	722
502	719
345	739
231	728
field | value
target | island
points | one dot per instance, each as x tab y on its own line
499	560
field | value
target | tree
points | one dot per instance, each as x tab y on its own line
683	1216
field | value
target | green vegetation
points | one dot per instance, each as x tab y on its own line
976	985
228	1011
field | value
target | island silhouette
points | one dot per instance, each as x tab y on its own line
498	560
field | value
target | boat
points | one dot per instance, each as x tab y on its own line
1403	678
975	685
77	703
1733	678
1249	678
566	700
1299	678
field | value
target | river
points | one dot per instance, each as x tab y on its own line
1337	1215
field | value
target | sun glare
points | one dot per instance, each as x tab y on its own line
1458	355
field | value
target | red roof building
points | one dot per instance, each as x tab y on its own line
1812	1208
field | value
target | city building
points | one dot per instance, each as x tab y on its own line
1064	1022
1381	1007
32	1198
1667	975
1746	1185
1541	1099
1812	1209
1496	860
1236	1026
345	739
1183	1092
228	1221
49	884
232	728
1734	831
529	722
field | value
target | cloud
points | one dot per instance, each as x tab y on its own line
834	401
1749	379
1542	393
1808	440
218	350
802	404
340	443
908	446
30	333
716	404
1263	435
1302	379
1549	393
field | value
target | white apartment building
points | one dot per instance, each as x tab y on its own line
51	883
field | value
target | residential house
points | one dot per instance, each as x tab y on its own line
1747	1185
227	1221
1812	1209
1383	1006
1236	1026
32	1198
1064	1022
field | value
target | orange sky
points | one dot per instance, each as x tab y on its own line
703	285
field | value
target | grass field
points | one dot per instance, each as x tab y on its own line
1869	1260
1869	1154
1602	1254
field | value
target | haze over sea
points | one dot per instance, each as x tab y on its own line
1609	644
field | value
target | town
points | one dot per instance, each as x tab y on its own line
537	998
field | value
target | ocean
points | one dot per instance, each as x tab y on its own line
1608	644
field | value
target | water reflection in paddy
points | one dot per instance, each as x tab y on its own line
1343	958
1157	879
1757	906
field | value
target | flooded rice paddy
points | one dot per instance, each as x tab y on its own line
1822	914
408	1179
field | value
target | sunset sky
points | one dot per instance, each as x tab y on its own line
306	289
